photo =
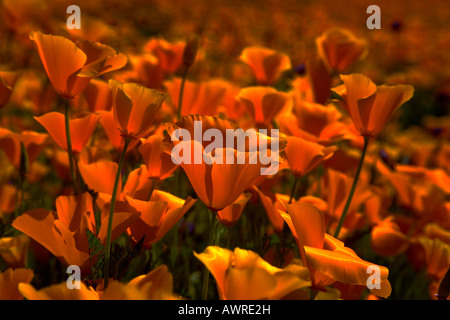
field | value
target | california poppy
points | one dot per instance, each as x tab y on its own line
244	275
231	214
10	280
266	64
303	156
340	49
198	97
155	285
71	66
97	96
326	257
7	82
216	175
157	215
159	163
264	103
13	250
135	107
63	232
369	105
82	125
387	239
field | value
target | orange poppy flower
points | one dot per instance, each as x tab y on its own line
387	239
244	275
81	128
314	122
97	96
340	48
270	205
99	176
326	257
63	232
266	64
138	185
14	249
155	285
135	108
436	255
157	216
10	143
110	129
159	163
303	156
7	82
264	103
170	55
145	69
336	190
220	179
369	105
10	280
71	66
198	97
231	214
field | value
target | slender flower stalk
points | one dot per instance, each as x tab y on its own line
111	212
69	147
211	242
180	96
353	188
293	190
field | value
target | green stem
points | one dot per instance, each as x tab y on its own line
111	212
293	189
211	242
353	188
69	146
180	96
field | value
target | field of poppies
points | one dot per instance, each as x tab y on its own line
101	197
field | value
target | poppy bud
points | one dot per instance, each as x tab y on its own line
190	50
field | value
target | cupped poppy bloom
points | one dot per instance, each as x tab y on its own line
386	238
82	126
135	107
14	249
220	171
244	275
71	66
159	163
169	54
435	255
7	81
340	49
155	285
157	216
314	122
97	96
303	156
337	186
270	203
266	64
33	142
63	232
198	97
264	103
10	280
370	106
326	257
113	135
228	216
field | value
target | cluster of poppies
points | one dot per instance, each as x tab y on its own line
358	207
